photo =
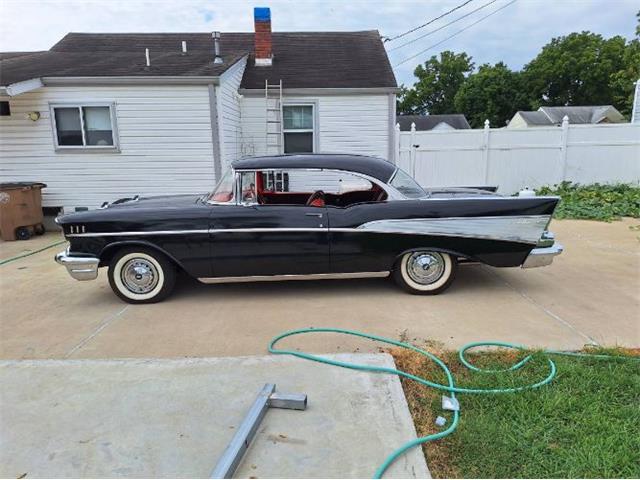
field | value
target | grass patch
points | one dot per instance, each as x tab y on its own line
584	424
595	202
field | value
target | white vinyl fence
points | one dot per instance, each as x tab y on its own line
513	159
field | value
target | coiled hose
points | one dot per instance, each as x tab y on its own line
449	387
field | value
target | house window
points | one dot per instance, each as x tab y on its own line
298	128
84	126
275	181
5	109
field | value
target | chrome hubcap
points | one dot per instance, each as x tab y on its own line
139	276
425	267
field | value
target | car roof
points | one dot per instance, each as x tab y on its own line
372	166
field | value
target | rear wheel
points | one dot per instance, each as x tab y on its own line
425	272
140	275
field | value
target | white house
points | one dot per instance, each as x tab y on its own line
102	116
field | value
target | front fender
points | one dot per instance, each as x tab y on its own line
107	253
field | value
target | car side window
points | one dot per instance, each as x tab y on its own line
299	187
247	188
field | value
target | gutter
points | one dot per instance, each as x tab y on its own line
132	80
24	86
324	91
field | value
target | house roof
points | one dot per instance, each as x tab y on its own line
301	59
428	122
576	115
584	114
371	166
535	118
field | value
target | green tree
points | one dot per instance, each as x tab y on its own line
576	70
494	93
438	81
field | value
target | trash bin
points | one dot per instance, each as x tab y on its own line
21	210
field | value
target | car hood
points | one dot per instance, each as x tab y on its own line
159	201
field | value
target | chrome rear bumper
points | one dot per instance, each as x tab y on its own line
540	257
80	268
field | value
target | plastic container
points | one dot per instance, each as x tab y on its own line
21	210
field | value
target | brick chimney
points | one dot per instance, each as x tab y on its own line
262	21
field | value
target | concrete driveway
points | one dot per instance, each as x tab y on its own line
591	294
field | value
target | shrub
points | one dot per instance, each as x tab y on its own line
595	202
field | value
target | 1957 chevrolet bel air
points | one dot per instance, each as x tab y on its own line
306	217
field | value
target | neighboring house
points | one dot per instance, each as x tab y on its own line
455	121
549	116
103	116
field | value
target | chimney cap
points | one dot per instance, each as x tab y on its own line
262	14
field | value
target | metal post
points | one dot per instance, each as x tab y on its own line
413	150
234	452
563	146
485	150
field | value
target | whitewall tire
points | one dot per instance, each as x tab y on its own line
425	272
140	275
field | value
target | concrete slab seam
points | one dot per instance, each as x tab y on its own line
104	325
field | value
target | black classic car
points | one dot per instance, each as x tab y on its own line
306	217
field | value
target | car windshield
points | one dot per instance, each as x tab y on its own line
223	193
406	185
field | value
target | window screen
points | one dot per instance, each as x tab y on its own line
298	128
68	126
79	126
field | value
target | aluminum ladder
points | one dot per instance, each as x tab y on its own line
273	105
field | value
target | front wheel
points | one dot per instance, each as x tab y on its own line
425	272
141	275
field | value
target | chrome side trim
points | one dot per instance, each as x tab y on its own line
278	278
522	229
541	257
133	233
80	268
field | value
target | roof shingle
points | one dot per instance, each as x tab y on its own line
301	59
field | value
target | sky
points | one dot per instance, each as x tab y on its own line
513	35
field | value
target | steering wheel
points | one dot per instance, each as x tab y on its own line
316	199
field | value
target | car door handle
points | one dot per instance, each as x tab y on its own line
319	215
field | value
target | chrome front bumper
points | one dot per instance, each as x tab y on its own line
80	268
541	257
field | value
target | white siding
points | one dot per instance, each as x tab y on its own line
345	123
229	114
165	145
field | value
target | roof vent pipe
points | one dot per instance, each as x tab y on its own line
146	55
217	59
184	47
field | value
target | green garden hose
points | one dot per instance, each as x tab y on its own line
33	252
449	387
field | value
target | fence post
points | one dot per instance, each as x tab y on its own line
413	150
563	146
396	144
485	150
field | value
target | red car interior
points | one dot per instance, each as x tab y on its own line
317	198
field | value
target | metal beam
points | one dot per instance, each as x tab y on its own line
236	449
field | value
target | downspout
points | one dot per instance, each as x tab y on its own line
215	132
392	131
